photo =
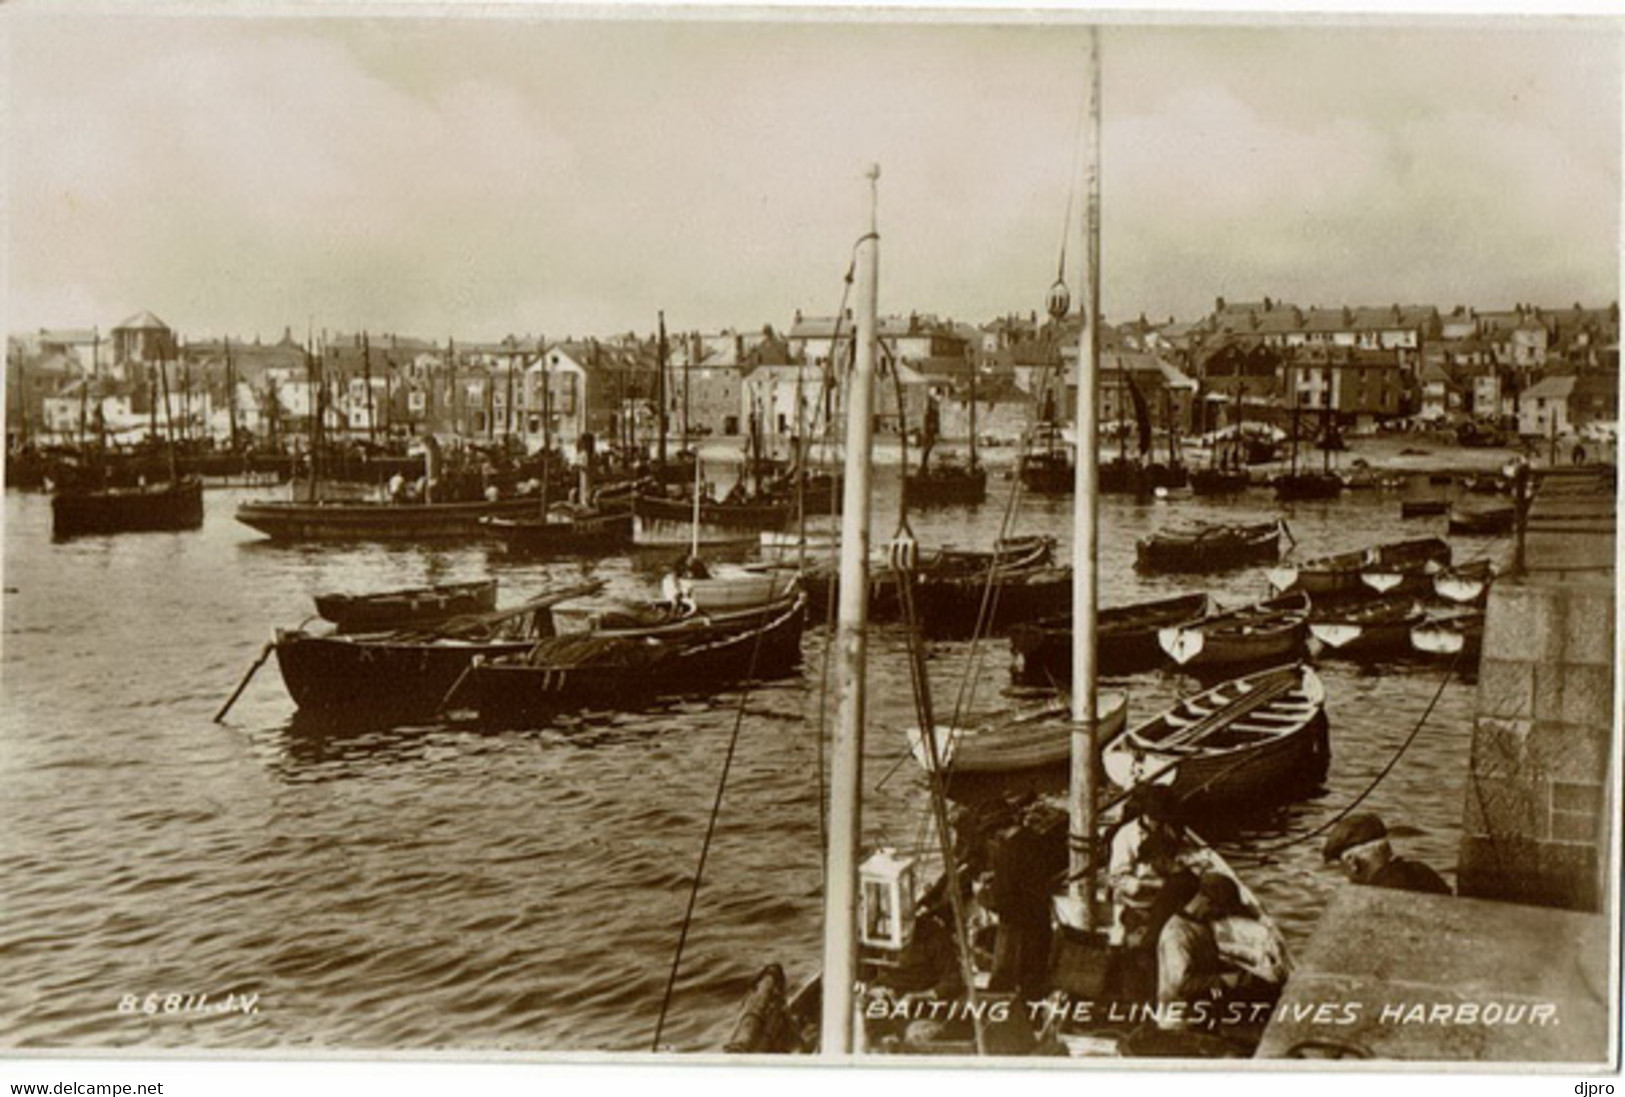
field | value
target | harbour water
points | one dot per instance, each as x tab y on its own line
445	888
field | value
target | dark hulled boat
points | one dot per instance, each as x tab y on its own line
407	607
1219	481
1301	486
566	531
1483	521
167	506
1126	639
324	521
1249	636
1455	634
404	673
1007	557
1370	629
1210	547
1344	573
963	606
947	485
706	653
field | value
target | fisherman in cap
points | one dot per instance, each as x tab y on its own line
1360	844
1144	852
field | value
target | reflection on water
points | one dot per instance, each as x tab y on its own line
448	886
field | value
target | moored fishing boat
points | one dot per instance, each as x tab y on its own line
1271	631
947	485
1219	481
172	505
1250	742
1465	584
958	607
1024	741
1008	556
406	672
283	520
1455	634
1125	639
1483	521
407	606
705	653
1366	629
1405	567
566	531
1210	547
728	586
1342	573
1423	508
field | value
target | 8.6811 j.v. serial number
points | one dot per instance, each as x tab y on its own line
188	1003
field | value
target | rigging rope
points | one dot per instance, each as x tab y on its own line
710	833
1375	781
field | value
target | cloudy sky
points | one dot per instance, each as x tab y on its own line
527	172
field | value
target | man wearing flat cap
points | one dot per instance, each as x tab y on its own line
1360	844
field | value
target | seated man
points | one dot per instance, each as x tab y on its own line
1360	844
1189	970
1144	852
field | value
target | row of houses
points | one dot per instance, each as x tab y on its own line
1363	366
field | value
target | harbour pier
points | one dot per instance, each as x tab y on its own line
1517	966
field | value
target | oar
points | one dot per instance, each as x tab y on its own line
265	653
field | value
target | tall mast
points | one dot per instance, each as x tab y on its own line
366	379
316	386
231	395
972	355
660	388
846	764
1086	525
169	419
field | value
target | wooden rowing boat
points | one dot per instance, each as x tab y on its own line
408	606
1257	739
1483	521
1465	584
1125	639
1252	635
1031	740
1212	547
1344	573
1366	629
1451	634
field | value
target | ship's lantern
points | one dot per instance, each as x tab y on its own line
886	900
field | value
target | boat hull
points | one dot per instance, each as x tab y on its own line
941	488
1216	548
1275	750
378	678
573	536
1126	640
131	510
1030	741
401	608
690	662
285	521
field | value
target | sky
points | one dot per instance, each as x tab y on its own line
481	172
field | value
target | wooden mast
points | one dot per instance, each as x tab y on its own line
846	766
1082	794
231	395
366	379
660	390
